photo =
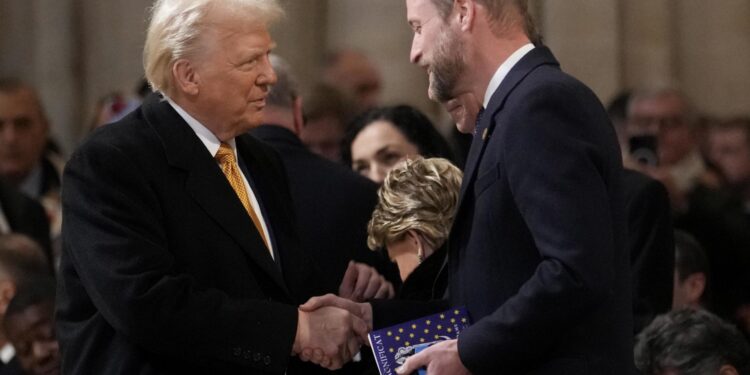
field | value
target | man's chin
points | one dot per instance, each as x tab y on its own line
435	95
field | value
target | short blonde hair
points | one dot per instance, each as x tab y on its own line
417	194
176	27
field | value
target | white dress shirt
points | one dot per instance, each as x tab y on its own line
503	70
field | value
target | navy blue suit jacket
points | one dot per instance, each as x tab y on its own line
651	246
25	216
537	249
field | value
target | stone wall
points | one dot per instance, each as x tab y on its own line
75	51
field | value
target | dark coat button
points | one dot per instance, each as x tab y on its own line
248	354
236	351
267	360
256	357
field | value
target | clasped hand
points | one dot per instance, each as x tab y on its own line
328	336
331	329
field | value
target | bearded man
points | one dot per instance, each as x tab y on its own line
536	252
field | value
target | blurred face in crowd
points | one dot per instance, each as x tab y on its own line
357	76
688	292
665	117
436	48
323	136
233	75
32	333
729	150
23	134
377	148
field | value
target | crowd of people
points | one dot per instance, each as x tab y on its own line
222	221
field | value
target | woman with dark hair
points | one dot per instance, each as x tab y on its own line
379	138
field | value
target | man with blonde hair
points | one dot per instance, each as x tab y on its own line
179	251
25	162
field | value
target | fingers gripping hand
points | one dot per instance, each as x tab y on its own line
328	336
362	282
361	310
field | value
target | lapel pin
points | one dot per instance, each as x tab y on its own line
485	134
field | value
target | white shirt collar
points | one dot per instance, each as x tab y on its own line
503	70
206	136
7	353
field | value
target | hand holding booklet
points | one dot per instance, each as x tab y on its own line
393	345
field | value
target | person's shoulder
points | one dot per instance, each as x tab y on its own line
638	181
339	174
551	81
11	198
131	139
638	187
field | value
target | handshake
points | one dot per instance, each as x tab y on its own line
330	328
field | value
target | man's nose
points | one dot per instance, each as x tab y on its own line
268	75
416	50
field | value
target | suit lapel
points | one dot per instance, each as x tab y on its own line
536	57
206	184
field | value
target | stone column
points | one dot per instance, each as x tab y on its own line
112	39
584	35
714	54
649	38
55	52
379	29
300	38
17	34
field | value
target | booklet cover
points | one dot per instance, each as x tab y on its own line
393	345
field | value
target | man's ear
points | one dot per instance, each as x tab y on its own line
465	13
186	78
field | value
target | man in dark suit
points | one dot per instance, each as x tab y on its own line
650	242
650	239
537	250
21	214
332	203
180	254
26	163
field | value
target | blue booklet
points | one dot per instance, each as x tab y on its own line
393	345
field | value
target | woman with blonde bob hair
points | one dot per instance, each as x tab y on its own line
414	214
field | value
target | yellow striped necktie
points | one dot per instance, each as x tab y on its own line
228	164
